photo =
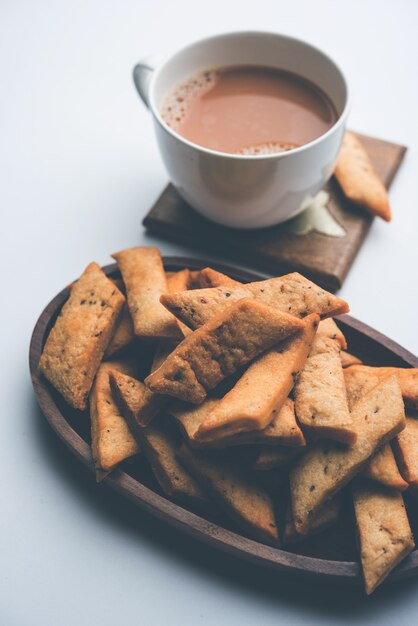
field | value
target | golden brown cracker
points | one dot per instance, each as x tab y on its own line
407	377
359	180
217	349
159	443
138	404
194	275
328	329
145	281
358	383
291	294
80	335
283	430
112	440
179	281
383	529
124	333
325	517
190	416
348	359
406	449
320	394
261	391
327	467
382	468
236	490
209	277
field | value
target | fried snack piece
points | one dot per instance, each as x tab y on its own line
328	329
359	180
216	350
80	335
235	489
382	466
348	359
179	281
278	457
283	429
194	275
138	404
358	383
327	515
261	391
112	441
407	376
320	394
144	277
116	281
123	335
291	294
159	444
384	533
382	469
327	467
211	278
190	416
406	450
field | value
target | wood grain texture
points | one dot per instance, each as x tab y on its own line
328	560
325	260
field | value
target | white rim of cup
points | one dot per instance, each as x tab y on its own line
275	155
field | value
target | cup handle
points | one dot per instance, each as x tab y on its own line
142	74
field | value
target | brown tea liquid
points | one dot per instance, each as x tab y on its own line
248	110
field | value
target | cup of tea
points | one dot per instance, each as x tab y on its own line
249	124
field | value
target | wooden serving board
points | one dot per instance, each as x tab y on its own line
330	556
325	260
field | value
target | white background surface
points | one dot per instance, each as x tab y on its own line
78	170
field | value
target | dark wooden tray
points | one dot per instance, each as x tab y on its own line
330	557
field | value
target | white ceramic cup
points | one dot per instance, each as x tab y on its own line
245	191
